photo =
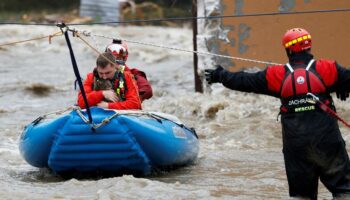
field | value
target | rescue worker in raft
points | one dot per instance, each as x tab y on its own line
120	50
110	86
313	147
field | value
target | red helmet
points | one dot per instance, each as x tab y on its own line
297	39
120	51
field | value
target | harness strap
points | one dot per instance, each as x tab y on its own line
121	87
327	109
117	83
290	67
309	65
307	74
77	75
304	103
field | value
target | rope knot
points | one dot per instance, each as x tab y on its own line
105	121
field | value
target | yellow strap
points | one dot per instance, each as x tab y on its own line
121	68
121	84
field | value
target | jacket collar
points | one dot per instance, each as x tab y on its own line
299	58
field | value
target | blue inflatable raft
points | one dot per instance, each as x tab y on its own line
118	141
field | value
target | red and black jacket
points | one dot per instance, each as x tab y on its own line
131	98
270	81
144	87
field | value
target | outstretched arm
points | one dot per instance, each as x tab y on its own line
241	81
342	85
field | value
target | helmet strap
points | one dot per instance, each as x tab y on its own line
120	62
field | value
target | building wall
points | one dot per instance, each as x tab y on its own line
100	10
260	37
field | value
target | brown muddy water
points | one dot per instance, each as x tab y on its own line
240	140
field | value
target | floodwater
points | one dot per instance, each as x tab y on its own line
240	140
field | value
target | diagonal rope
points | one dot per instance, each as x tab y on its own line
33	39
94	49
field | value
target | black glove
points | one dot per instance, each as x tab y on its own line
342	95
213	75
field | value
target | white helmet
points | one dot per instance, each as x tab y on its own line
120	51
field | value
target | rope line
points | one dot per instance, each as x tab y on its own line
94	49
186	18
59	112
183	50
32	39
89	34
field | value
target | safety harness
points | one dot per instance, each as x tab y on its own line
297	83
117	83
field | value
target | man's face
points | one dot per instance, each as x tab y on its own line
106	72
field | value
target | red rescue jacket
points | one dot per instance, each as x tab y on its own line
144	87
132	100
314	77
326	69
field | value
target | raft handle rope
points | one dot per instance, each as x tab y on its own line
326	108
108	119
94	126
59	112
134	113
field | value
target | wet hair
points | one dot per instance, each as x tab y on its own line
104	59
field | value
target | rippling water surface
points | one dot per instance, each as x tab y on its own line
240	139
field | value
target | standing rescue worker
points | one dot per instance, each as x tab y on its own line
120	50
313	147
110	86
